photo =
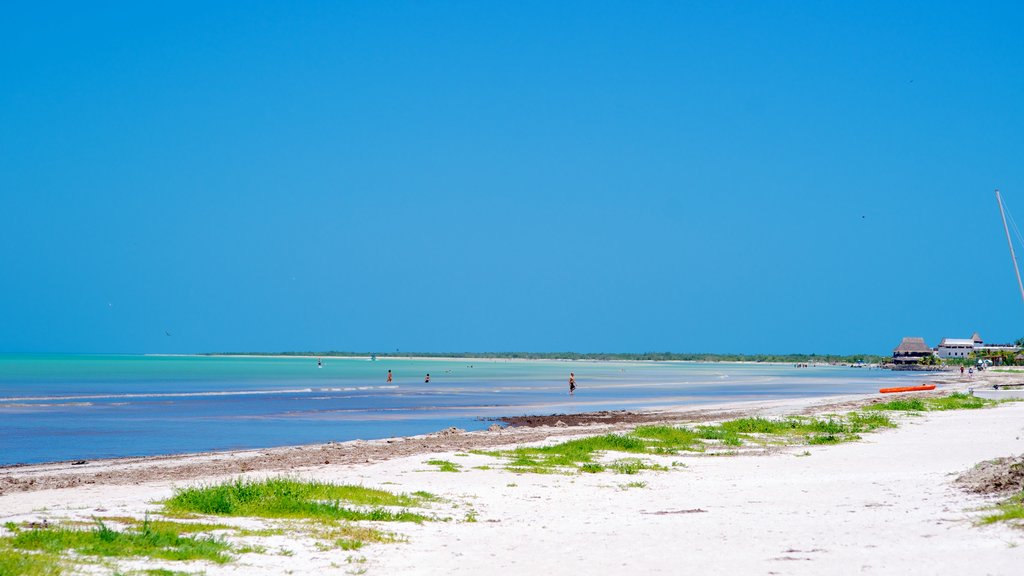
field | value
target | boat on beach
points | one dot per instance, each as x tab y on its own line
922	388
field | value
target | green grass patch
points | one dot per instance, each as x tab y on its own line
901	404
632	466
671	439
146	540
1011	510
581	455
169	525
348	536
954	401
445	465
22	563
288	498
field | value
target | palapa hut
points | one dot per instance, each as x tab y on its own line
910	351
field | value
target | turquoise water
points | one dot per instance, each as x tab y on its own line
62	407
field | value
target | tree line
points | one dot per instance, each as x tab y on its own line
647	356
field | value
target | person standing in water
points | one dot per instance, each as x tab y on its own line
389	376
572	383
427	379
319	364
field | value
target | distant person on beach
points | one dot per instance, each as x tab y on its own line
389	376
961	369
970	371
572	383
427	379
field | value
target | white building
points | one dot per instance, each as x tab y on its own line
955	347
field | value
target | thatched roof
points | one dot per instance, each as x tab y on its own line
912	344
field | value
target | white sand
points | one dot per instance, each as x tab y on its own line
884	505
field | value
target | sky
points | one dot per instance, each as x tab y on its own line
756	177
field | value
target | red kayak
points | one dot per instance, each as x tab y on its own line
908	389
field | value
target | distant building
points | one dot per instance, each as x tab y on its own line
910	351
955	347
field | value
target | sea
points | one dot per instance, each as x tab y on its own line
82	407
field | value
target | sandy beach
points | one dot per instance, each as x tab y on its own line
886	504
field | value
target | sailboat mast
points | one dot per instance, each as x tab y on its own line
1009	241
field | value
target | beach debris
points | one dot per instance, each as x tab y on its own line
665	512
997	476
495	428
561	424
450	431
78	462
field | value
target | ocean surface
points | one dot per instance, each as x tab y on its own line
69	407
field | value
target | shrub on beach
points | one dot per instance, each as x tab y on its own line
580	454
149	540
954	401
288	498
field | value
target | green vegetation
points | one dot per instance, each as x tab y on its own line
1012	510
633	466
19	563
581	455
349	536
147	539
168	525
445	465
51	550
648	356
287	498
954	401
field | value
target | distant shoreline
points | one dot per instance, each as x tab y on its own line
569	356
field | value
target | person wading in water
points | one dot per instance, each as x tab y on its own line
572	383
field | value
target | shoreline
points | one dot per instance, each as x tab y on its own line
520	429
886	503
881	366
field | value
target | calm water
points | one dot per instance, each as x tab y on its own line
70	407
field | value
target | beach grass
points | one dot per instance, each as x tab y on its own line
290	498
21	563
169	525
1011	510
633	466
581	455
348	536
445	465
954	401
146	539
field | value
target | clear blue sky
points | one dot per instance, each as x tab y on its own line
434	176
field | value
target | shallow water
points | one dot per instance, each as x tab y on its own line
61	407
